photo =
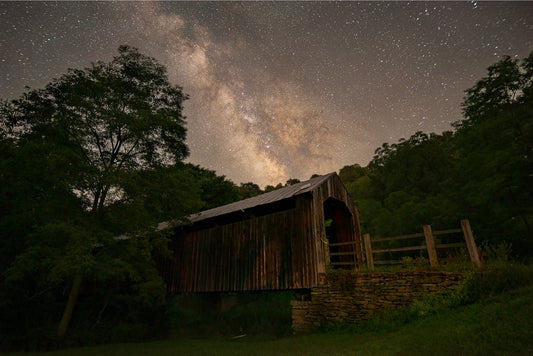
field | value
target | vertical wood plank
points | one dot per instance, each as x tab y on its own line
278	250
430	244
357	232
471	243
368	251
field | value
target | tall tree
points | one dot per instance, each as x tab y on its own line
105	123
481	171
495	146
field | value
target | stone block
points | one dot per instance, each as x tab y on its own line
368	293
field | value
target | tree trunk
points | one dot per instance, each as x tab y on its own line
96	198
103	197
69	308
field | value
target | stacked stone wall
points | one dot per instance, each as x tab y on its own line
352	297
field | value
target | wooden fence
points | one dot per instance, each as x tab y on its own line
430	246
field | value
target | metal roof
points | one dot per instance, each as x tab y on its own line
263	199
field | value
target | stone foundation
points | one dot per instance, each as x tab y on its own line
351	297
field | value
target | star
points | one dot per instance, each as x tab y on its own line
280	90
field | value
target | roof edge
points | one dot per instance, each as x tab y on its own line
262	199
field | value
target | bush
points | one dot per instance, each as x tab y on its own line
497	278
230	314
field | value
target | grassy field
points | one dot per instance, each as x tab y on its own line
501	325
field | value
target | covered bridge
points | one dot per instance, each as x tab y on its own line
279	240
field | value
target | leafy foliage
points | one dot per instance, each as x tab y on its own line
254	313
249	190
289	181
215	190
481	171
89	165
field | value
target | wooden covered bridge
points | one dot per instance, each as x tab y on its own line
279	240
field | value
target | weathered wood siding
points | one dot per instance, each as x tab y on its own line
278	251
262	253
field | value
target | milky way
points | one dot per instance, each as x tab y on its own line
280	90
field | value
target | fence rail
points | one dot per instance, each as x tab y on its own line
429	246
342	243
403	237
445	232
399	249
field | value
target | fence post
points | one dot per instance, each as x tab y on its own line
430	244
470	243
368	251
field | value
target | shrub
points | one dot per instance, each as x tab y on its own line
231	314
497	278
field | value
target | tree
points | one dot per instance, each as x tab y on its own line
494	93
349	174
270	188
214	190
248	190
494	146
291	181
482	170
102	126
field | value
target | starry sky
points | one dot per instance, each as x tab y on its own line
280	90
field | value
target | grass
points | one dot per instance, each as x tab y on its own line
498	325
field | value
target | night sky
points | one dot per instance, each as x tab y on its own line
280	90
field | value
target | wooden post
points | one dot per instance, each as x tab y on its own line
470	243
430	244
368	251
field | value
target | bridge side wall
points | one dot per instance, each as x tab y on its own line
352	297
